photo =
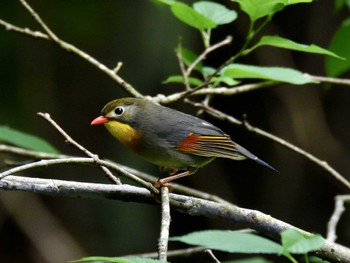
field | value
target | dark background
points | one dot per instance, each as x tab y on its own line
37	75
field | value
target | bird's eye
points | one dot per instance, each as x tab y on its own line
119	111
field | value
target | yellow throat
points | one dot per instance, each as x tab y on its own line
123	132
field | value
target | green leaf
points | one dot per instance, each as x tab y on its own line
191	17
215	12
314	259
287	75
167	2
293	2
281	42
188	57
250	260
295	242
256	9
340	45
207	71
226	80
180	79
118	260
25	140
231	241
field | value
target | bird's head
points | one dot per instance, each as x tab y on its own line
119	117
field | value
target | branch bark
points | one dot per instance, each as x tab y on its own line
253	219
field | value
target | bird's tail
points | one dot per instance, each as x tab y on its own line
251	156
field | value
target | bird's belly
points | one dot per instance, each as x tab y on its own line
172	158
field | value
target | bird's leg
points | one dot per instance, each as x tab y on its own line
167	180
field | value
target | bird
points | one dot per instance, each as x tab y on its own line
177	142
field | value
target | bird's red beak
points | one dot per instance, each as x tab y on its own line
99	120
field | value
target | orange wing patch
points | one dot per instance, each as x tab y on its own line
188	144
210	146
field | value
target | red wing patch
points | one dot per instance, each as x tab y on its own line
210	146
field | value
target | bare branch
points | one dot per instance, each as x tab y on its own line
211	254
253	219
234	90
80	160
182	65
172	253
70	140
147	177
164	224
311	157
333	221
38	19
28	153
323	164
208	50
331	80
25	31
202	90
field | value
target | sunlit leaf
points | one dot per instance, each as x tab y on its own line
215	12
295	242
256	9
287	75
281	42
250	260
180	79
117	260
226	80
231	241
191	17
188	57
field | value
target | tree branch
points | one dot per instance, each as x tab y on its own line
334	220
253	219
164	224
70	140
80	160
323	164
178	188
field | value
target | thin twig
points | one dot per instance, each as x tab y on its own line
38	19
211	254
323	164
311	157
182	65
70	140
187	72
29	153
24	31
164	224
118	67
80	160
203	90
334	220
147	177
331	80
208	50
172	253
235	90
